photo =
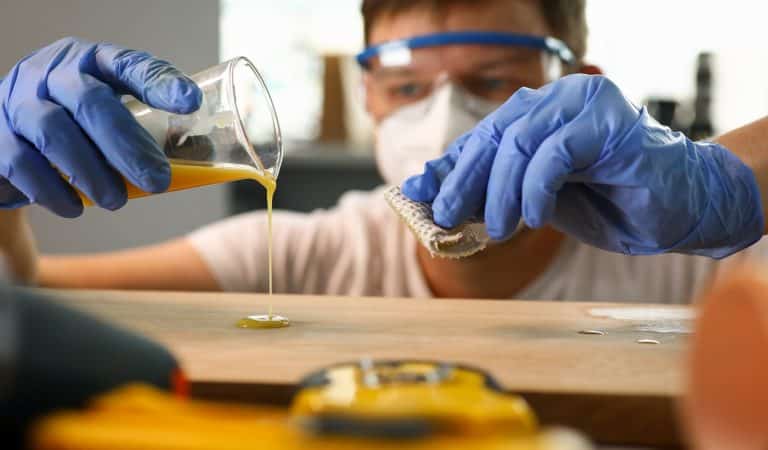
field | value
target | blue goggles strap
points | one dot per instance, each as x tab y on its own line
549	44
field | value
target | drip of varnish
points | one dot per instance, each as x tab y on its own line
270	320
189	174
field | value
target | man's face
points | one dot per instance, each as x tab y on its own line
491	72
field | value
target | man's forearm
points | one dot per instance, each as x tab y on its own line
750	144
17	246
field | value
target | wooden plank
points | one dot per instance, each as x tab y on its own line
532	348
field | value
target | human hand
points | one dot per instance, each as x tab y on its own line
578	155
61	114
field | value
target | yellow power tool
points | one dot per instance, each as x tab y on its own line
380	405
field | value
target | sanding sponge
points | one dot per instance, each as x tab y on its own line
462	241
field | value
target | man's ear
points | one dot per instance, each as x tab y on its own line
590	69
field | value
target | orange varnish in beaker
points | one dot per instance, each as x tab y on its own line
190	174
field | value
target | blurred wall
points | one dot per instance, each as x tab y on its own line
649	48
183	31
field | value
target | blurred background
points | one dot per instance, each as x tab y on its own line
700	66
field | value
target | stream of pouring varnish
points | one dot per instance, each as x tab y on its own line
188	174
269	320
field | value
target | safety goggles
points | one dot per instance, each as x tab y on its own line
490	65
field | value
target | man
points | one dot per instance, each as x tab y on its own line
574	154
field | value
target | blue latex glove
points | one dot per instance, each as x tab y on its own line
61	107
578	155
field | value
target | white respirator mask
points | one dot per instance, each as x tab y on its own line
422	131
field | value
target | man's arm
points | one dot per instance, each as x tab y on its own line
170	265
17	246
750	144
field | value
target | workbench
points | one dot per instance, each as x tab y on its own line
609	386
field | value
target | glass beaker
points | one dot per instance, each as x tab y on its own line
234	135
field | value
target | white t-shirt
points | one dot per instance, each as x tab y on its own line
361	247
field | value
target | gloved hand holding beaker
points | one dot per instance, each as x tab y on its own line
578	155
61	107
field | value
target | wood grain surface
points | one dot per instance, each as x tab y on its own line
610	386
